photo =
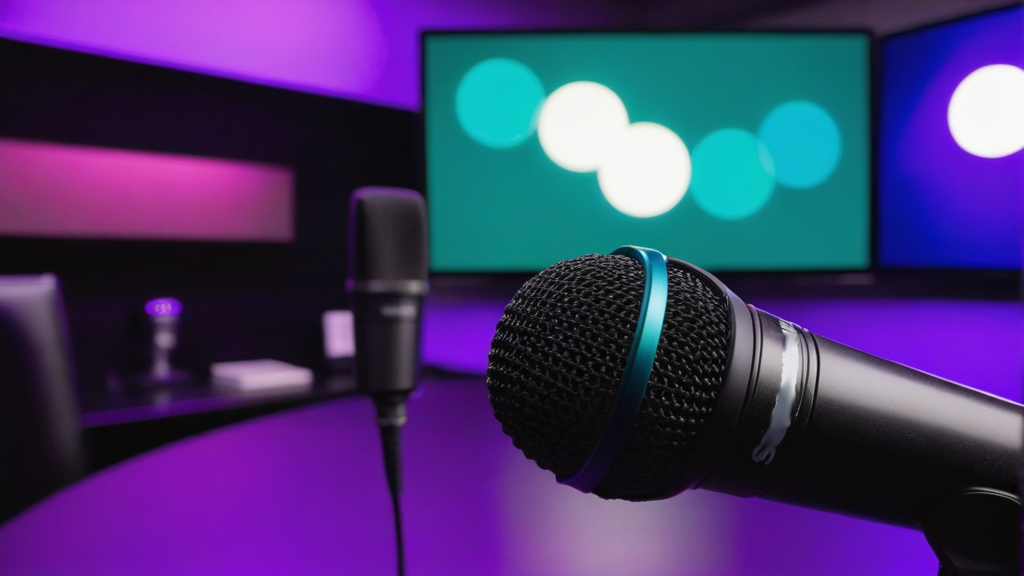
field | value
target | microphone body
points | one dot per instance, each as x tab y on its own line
854	434
387	283
388	322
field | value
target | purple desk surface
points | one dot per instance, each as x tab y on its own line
302	492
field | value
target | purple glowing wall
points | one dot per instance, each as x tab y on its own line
360	49
65	191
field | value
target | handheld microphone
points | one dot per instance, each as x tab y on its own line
636	376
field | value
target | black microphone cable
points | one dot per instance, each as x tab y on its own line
390	419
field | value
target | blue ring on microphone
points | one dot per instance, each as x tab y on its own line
639	365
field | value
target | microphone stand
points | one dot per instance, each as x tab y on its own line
391	417
387	281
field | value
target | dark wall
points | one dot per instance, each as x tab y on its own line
241	300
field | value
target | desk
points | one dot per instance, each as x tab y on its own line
122	423
303	491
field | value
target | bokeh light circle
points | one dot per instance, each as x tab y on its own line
804	143
986	111
580	124
732	176
497	102
648	172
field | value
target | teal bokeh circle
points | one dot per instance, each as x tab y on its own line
497	102
732	174
804	142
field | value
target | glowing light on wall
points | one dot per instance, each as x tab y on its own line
986	111
367	50
66	191
319	46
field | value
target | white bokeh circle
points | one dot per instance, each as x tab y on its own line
579	125
986	111
647	172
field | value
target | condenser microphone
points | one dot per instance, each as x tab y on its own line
387	282
635	376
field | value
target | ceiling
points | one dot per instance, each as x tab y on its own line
883	17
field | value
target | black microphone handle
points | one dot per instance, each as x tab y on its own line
387	322
868	437
908	441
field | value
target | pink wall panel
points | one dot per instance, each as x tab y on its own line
66	191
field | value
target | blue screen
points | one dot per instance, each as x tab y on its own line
951	134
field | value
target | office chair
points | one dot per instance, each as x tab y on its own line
41	447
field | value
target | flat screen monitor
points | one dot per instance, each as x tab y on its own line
737	151
951	145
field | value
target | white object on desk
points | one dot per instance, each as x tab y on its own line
261	375
339	334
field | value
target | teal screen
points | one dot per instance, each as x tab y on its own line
734	151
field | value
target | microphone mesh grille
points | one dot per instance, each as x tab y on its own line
558	355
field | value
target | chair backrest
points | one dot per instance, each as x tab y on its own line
41	446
